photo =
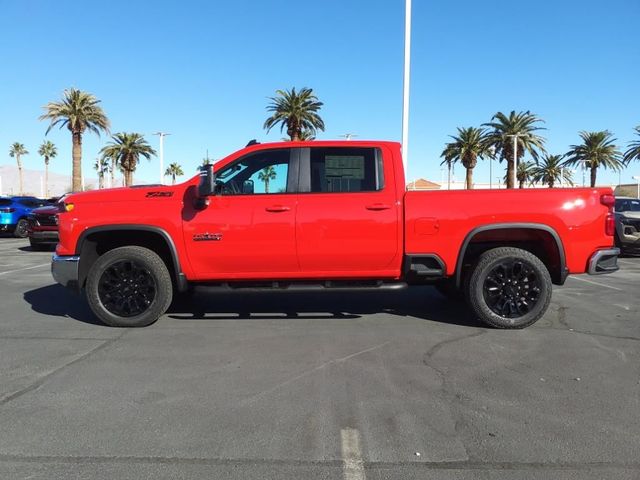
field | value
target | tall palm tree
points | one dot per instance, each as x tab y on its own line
469	145
633	153
101	166
174	170
298	111
128	148
266	175
523	127
79	111
551	170
597	150
449	160
17	150
48	151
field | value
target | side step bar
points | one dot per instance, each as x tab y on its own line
303	286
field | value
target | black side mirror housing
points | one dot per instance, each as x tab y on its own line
247	187
207	184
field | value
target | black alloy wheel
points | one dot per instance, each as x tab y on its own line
129	287
21	228
508	288
512	289
126	288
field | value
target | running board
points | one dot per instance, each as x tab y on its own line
304	286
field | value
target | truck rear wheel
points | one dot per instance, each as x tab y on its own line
129	287
508	288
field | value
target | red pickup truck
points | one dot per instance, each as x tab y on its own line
328	215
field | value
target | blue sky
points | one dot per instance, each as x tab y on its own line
202	70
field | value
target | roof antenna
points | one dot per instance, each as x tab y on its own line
252	142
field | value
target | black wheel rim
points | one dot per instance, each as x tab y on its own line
21	228
126	288
512	288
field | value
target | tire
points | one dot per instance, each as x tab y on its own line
129	287
508	288
21	229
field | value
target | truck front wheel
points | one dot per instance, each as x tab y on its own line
129	287
508	288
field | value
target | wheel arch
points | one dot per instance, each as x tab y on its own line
485	237
96	241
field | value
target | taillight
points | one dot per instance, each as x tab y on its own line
608	200
610	225
7	210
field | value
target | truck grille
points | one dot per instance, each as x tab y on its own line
46	220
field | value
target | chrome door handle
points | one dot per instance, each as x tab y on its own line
277	208
378	206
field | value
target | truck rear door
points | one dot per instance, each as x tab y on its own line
348	219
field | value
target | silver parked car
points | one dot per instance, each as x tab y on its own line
627	212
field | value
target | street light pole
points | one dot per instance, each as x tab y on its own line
162	135
405	93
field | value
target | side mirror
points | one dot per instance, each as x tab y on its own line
207	184
247	187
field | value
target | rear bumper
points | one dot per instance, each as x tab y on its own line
604	261
7	227
65	270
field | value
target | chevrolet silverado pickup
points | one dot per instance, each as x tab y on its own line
328	215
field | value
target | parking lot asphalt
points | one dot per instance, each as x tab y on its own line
300	386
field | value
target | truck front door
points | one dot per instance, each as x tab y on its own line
248	229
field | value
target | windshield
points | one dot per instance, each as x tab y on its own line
627	205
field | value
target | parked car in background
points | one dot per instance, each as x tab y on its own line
14	212
43	227
627	210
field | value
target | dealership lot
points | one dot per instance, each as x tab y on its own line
317	386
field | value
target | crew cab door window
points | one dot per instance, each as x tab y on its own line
348	222
263	172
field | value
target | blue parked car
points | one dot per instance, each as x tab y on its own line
14	212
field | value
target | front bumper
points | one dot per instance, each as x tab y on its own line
44	236
604	261
65	270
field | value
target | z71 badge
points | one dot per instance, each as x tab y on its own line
159	194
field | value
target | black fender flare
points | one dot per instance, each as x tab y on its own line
508	226
181	280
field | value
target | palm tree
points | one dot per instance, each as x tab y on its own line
551	170
523	174
633	153
305	136
102	166
17	150
174	170
467	147
128	148
298	111
596	150
79	111
267	174
47	150
521	126
112	160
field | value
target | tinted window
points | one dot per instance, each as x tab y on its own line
346	169
5	202
627	205
257	173
31	202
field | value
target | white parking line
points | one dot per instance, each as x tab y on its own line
26	268
636	264
352	455
596	283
